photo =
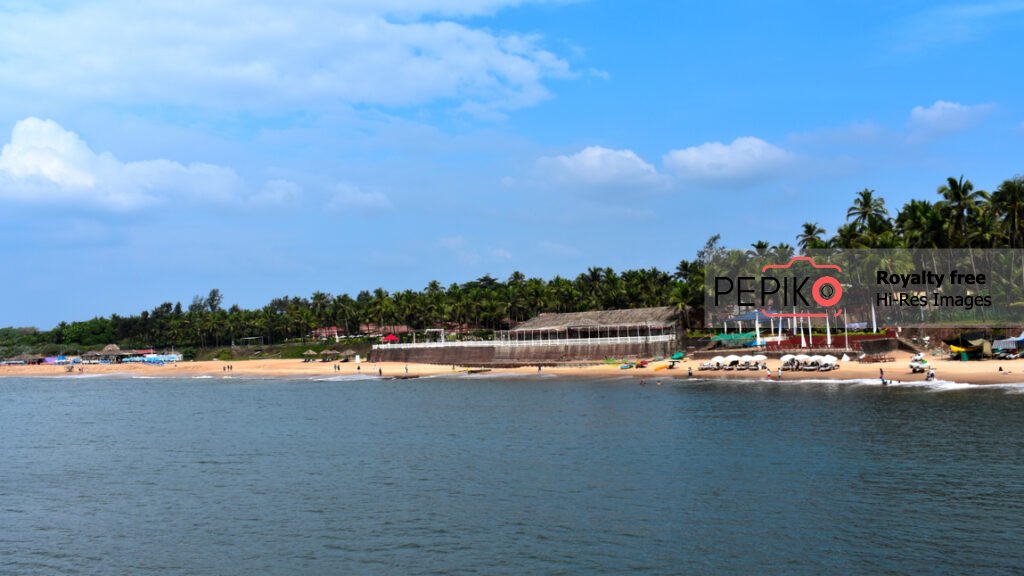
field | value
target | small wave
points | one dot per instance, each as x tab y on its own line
204	377
346	378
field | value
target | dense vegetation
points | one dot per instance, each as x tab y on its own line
961	217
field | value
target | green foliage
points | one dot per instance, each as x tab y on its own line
960	217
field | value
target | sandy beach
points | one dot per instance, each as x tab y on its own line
980	372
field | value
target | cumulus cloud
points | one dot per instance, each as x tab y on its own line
943	118
277	192
43	162
596	166
745	160
257	55
348	197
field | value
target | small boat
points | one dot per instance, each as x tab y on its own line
660	368
477	370
626	367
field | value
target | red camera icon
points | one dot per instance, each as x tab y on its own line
826	291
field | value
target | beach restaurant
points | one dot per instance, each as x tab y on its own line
658	324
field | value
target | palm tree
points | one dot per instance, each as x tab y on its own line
867	209
1008	200
959	200
920	224
782	252
811	237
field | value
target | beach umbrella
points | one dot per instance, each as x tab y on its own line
760	358
390	338
718	360
801	358
786	358
746	359
828	359
309	353
732	359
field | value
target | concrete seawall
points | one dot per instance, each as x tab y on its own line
521	355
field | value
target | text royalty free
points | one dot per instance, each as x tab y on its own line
933	280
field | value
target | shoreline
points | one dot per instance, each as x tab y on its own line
985	372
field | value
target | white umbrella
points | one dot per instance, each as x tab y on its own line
732	358
786	358
718	360
814	359
760	357
746	358
829	359
801	358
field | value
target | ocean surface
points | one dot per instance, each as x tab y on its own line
488	475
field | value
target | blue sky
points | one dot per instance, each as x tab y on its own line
152	152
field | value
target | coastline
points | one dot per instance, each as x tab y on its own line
984	372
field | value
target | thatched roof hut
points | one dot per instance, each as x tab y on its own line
328	353
28	358
309	353
663	316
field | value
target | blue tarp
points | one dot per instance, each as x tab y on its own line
749	316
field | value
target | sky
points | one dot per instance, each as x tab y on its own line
152	151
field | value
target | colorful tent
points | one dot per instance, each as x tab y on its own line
390	338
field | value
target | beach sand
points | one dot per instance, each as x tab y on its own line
980	372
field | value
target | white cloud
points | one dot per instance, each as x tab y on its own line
955	24
43	162
350	197
943	118
558	250
596	166
277	192
501	254
745	160
457	246
256	55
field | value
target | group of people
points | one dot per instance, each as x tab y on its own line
227	368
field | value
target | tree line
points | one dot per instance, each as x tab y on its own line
960	217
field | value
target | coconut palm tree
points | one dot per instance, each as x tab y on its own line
811	237
1008	200
959	200
866	209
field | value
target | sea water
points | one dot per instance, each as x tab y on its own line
508	476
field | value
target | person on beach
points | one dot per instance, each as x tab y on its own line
767	373
689	372
406	368
780	372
